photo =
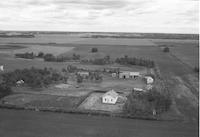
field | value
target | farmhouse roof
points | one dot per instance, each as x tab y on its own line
111	93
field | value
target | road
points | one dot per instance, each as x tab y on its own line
24	123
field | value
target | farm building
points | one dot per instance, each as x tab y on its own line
114	75
110	97
138	89
128	74
149	80
124	75
83	74
134	74
1	68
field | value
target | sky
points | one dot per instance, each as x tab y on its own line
161	16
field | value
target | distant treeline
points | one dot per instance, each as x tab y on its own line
98	61
146	36
17	36
47	57
33	77
135	61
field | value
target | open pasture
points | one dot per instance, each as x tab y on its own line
55	50
42	101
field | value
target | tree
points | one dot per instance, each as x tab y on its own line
166	49
79	79
4	90
94	50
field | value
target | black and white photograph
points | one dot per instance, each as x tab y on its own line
99	68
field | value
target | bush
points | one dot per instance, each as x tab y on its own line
4	90
94	50
166	49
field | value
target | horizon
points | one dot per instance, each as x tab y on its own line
97	32
126	16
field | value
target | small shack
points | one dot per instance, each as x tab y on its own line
134	74
83	74
110	97
149	80
1	68
124	74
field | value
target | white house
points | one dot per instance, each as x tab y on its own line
149	79
1	68
110	97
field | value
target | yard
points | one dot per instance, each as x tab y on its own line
94	102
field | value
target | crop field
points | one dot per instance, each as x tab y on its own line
187	54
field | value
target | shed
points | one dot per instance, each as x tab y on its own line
110	97
124	74
1	68
83	73
134	74
149	79
138	89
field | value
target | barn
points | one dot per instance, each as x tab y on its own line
110	97
134	74
124	75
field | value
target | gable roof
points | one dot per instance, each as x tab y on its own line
111	93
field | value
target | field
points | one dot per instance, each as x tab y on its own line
21	123
175	67
42	101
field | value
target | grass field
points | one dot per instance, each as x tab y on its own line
42	101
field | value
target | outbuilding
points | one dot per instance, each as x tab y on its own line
1	68
124	75
134	74
110	97
149	80
83	74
